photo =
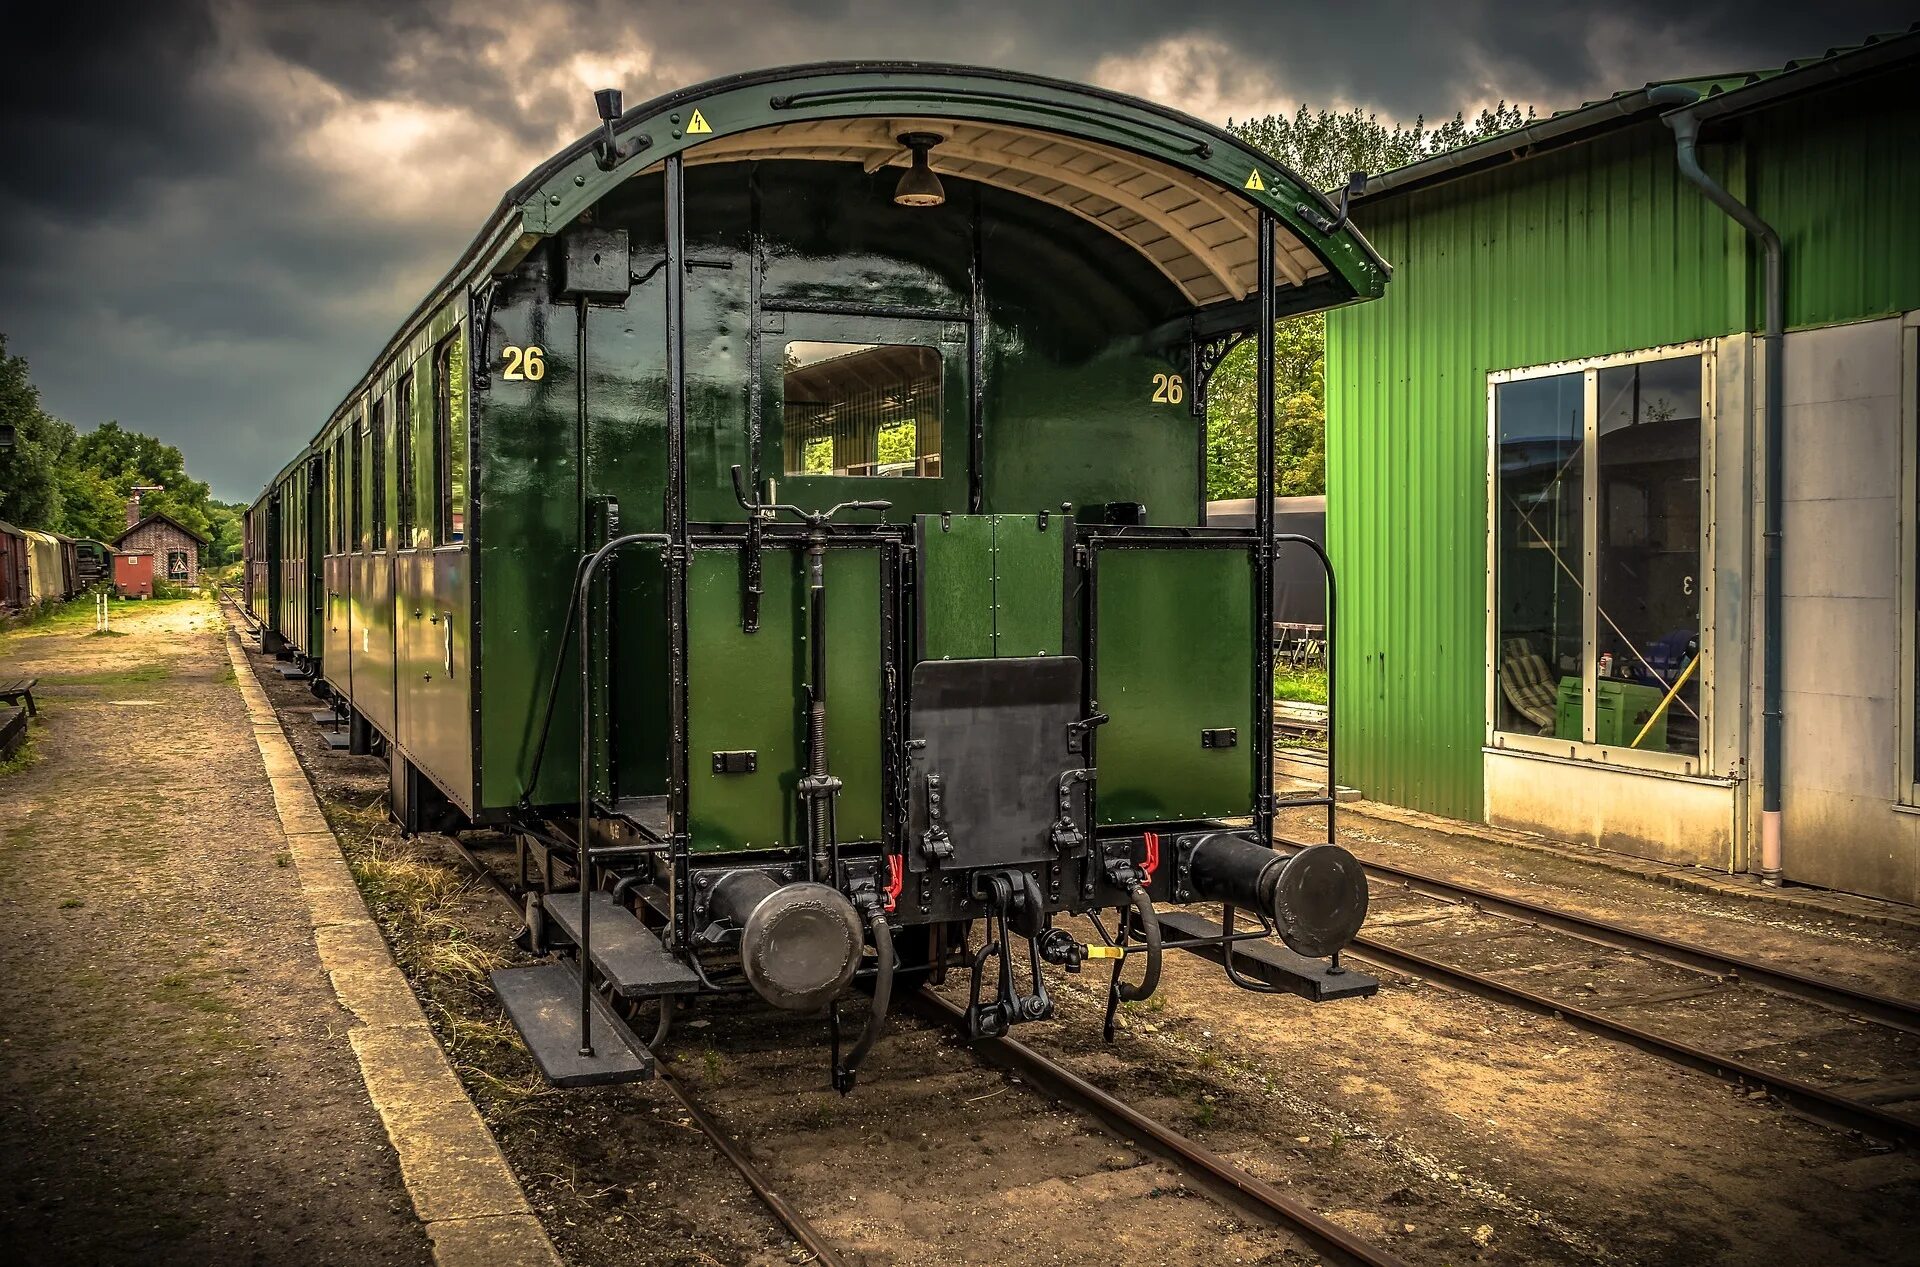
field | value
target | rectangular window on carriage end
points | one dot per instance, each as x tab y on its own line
863	409
1597	523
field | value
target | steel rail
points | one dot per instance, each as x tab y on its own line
1897	1013
1829	1106
1220	1177
1213	1172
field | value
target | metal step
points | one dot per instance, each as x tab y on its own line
292	671
335	737
625	951
543	1002
1271	962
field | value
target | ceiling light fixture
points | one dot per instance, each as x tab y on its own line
918	186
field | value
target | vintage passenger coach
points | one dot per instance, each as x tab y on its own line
787	520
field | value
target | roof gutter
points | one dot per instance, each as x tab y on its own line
1685	123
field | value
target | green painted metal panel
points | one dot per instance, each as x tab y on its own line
1594	250
526	525
956	588
991	585
1174	658
748	692
1838	175
1029	574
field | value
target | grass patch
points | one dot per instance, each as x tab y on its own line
72	904
415	901
283	859
1300	683
138	675
108	633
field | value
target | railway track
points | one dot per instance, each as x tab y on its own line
1800	1038
1207	1171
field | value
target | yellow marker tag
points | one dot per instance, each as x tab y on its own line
698	124
1105	952
1253	180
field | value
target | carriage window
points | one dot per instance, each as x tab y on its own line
861	409
380	475
449	443
358	540
404	491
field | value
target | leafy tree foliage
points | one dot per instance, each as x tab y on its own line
1321	147
59	480
30	494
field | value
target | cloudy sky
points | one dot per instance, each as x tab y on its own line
215	213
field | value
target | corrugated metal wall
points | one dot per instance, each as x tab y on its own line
1599	249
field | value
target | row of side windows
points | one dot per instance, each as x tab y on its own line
358	460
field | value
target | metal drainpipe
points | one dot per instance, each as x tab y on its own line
1686	129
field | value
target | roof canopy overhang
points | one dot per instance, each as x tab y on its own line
1183	194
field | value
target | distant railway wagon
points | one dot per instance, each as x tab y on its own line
16	590
787	519
93	562
50	568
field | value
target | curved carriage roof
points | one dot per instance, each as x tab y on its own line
1182	193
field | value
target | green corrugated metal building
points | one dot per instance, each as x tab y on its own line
1544	469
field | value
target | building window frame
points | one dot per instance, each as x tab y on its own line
1701	762
1907	569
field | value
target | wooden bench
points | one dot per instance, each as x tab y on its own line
20	689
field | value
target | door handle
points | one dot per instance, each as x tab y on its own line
448	630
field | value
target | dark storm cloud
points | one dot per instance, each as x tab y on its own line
217	212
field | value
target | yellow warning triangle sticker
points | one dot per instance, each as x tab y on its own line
1253	180
698	124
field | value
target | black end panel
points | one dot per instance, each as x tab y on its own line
991	740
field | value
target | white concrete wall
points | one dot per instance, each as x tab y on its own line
1682	819
1842	508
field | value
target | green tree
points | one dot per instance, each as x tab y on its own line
30	495
1321	147
127	458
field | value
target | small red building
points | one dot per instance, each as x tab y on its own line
133	574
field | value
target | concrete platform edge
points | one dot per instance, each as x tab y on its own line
463	1192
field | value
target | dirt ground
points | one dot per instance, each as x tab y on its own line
1450	1129
178	1086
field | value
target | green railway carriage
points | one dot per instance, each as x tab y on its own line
787	520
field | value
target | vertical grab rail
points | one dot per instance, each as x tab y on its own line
583	597
1331	799
1263	806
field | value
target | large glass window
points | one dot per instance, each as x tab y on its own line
1597	539
861	409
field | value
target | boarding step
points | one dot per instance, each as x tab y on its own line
1312	979
625	952
335	737
292	671
543	1002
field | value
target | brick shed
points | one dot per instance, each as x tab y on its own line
175	550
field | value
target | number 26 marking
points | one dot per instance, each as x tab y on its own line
1168	389
528	363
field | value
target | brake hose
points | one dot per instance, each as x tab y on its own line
1150	929
848	1069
